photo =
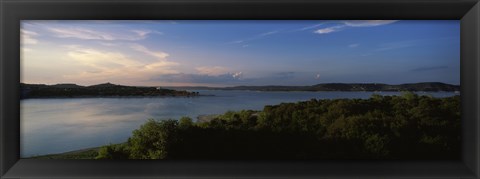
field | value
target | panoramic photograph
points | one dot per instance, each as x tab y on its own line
240	89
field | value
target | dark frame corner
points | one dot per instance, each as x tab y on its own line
12	11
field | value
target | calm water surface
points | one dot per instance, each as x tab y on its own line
59	125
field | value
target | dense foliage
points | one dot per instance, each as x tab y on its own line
381	127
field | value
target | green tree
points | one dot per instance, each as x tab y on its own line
113	151
153	139
185	122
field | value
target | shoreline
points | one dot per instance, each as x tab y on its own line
74	154
82	97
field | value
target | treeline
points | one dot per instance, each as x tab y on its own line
381	127
100	90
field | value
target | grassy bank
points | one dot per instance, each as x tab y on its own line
89	153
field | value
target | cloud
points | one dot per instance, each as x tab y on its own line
212	71
316	25
268	33
237	75
325	30
353	45
89	34
422	69
223	79
237	42
23	49
144	33
100	59
81	33
310	27
329	29
354	23
219	72
27	37
99	66
367	23
317	76
108	44
143	49
256	37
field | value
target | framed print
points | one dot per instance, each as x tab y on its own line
243	89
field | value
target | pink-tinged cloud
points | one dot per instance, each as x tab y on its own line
354	23
27	37
212	71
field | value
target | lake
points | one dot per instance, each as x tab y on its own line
51	126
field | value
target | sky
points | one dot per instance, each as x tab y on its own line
232	53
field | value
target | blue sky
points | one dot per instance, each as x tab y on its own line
230	53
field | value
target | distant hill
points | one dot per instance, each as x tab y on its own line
66	85
426	86
105	85
100	90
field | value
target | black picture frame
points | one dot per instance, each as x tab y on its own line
12	11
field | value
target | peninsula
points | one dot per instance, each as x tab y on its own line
100	90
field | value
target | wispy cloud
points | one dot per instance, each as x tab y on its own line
108	44
24	49
268	33
256	37
353	45
80	33
237	75
367	23
100	60
310	27
101	65
329	29
144	33
237	41
141	48
212	71
219	71
27	37
353	23
322	23
89	34
201	79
